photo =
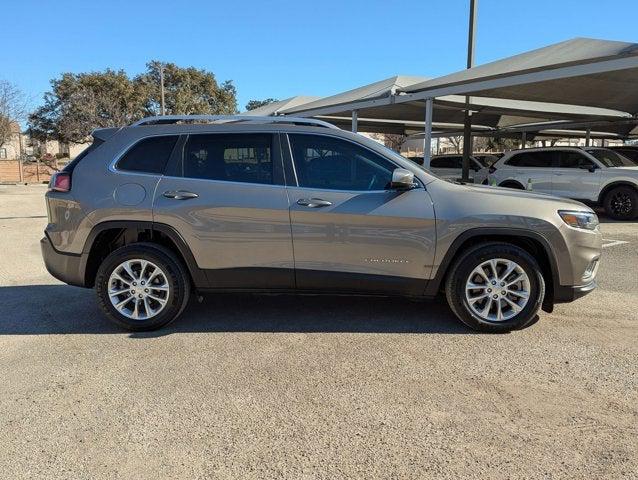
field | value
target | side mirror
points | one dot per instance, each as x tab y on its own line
591	168
402	179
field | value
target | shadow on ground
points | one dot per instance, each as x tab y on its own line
61	309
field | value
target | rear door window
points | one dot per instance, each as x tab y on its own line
533	160
568	159
240	157
148	155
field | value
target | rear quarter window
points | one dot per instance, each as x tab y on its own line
148	155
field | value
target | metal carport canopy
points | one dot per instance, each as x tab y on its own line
379	102
581	71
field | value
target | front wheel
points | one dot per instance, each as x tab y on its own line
495	287
142	286
621	203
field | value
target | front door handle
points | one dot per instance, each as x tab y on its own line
313	202
180	194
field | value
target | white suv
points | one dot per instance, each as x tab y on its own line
590	174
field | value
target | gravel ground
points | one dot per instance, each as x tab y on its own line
310	387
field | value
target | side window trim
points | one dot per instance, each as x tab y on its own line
289	158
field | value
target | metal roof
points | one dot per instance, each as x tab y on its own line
581	71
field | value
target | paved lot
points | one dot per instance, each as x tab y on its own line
270	387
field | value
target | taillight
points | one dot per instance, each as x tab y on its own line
60	182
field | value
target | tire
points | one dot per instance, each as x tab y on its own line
621	203
504	254
513	185
156	303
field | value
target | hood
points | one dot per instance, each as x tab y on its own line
505	193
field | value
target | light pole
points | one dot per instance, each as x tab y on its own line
162	105
467	124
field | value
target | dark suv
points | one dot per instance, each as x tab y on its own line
171	205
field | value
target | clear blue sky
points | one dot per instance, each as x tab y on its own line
284	48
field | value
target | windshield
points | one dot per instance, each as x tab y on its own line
610	158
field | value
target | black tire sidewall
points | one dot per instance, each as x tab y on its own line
634	200
176	276
462	270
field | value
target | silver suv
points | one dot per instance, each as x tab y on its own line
591	174
169	206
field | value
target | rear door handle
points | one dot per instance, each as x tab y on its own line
313	202
180	194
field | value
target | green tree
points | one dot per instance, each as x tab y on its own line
79	103
187	91
253	104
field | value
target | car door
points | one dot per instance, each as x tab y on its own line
576	176
350	230
227	199
525	167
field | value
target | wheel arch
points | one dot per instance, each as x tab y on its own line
613	184
106	236
532	242
509	183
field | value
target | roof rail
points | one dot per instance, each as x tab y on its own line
222	119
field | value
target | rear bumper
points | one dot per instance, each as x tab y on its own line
563	294
68	268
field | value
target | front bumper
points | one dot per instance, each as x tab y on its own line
566	294
68	268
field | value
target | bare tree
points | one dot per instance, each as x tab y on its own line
394	141
13	108
457	143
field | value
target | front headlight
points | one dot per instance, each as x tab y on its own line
577	219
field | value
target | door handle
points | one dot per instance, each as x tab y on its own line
180	194
313	202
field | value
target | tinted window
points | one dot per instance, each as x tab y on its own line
629	153
610	158
447	162
331	163
568	159
532	159
229	157
149	155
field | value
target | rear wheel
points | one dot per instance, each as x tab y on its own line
142	286
495	287
621	203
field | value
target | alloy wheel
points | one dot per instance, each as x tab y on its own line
621	203
497	290
138	289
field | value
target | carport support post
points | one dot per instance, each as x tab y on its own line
467	124
587	137
355	121
467	143
427	136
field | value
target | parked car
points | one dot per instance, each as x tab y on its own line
153	212
449	167
592	174
628	151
